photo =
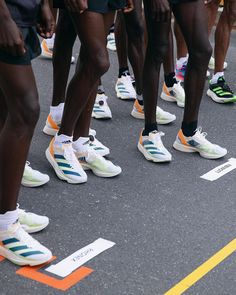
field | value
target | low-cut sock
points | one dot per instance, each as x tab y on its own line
100	89
216	76
149	128
62	138
57	111
181	61
81	144
112	29
170	80
50	41
140	99
123	72
189	129
7	219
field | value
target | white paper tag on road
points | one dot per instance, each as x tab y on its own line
75	260
221	170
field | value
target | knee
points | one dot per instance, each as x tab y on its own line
26	113
158	53
100	63
200	55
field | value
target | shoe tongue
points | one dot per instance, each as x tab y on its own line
67	142
221	80
154	135
126	73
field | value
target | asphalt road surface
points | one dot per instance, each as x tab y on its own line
165	220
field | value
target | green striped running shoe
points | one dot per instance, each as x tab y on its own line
152	148
220	92
20	248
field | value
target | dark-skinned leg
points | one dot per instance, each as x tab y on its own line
172	89
192	19
136	47
124	85
83	123
150	143
21	99
219	91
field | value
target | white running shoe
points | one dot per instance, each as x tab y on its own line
111	42
47	52
175	94
31	222
98	164
20	248
198	143
124	88
162	116
211	65
152	148
64	162
33	178
101	109
96	145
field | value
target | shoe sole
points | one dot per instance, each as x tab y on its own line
215	98
149	158
95	116
20	261
100	173
58	172
34	184
140	116
169	98
182	148
49	131
32	230
46	55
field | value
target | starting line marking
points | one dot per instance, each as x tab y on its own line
203	269
221	170
80	257
34	274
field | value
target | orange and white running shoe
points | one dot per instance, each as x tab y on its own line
51	127
174	94
162	116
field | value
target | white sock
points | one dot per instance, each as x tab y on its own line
50	42
62	138
81	144
216	76
56	112
7	219
181	61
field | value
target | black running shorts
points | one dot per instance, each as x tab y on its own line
32	47
100	6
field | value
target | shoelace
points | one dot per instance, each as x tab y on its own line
69	154
156	138
25	237
202	135
225	86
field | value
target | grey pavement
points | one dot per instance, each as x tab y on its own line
164	219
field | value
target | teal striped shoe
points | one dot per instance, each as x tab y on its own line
124	87
152	148
101	108
20	248
64	162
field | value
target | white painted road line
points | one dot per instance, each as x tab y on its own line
221	170
80	257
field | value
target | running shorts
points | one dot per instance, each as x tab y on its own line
100	6
32	46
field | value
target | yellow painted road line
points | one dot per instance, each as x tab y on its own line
203	269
